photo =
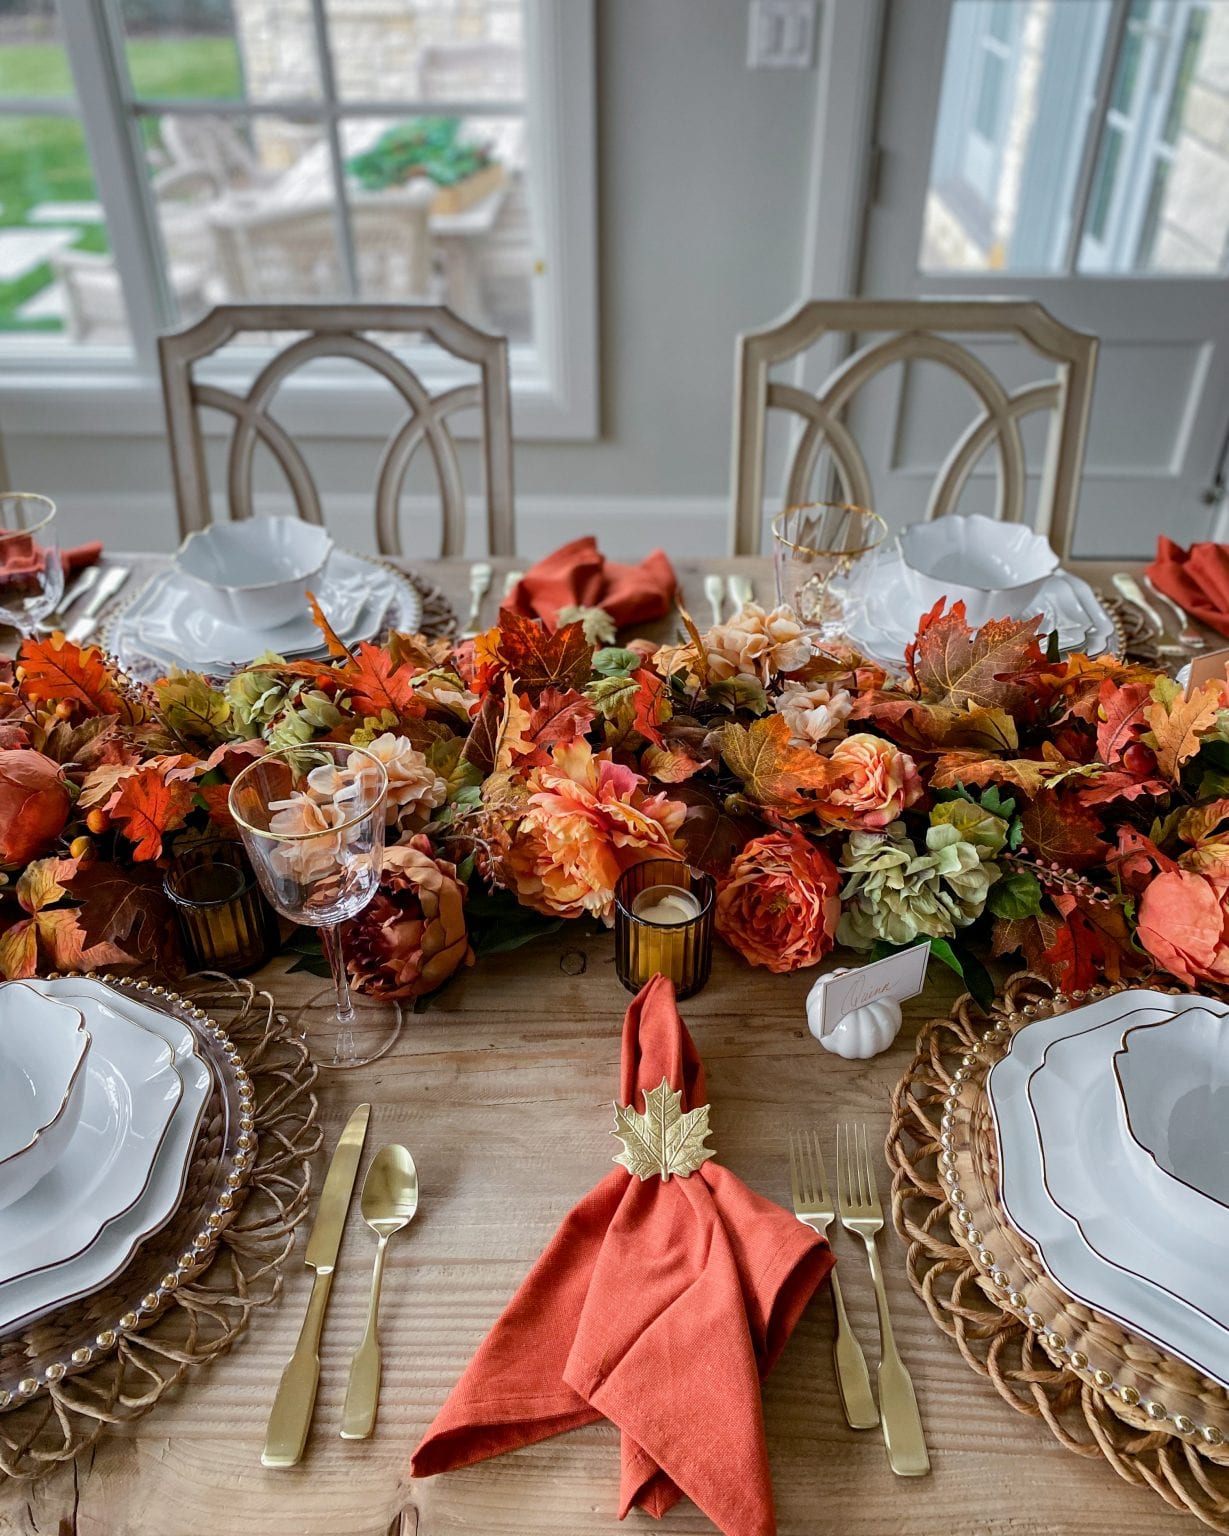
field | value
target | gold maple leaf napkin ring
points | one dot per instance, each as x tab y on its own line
665	1139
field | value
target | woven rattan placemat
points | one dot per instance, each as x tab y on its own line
191	1288
1103	1392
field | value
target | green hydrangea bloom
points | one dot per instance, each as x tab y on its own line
898	894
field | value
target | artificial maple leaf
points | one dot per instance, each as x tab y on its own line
102	782
191	710
499	732
56	669
418	651
1091	944
375	683
539	658
337	647
1074	685
669	765
1175	722
1137	859
922	727
773	772
149	805
1031	775
127	910
987	668
653	706
712	832
57	933
1117	784
1121	718
665	1139
559	718
1057	830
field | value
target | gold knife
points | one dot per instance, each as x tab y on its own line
295	1402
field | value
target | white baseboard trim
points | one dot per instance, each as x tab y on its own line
627	527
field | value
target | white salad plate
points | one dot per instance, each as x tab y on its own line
43	1047
154	1200
1173	1100
1136	1302
890	617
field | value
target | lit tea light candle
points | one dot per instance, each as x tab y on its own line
663	923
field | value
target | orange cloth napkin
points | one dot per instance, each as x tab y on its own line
579	575
19	554
659	1306
1197	579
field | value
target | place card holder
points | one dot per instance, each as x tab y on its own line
664	923
224	921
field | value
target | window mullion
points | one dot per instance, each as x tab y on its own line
341	207
1116	31
91	41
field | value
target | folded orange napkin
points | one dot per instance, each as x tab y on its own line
657	1305
579	576
1197	579
20	554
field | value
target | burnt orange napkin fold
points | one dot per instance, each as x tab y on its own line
659	1306
1197	579
579	576
20	554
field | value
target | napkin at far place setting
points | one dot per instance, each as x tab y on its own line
578	575
659	1305
1197	579
19	554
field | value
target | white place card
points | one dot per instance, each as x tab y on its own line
896	976
1204	668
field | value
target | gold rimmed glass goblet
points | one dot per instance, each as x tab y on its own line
31	571
312	820
822	556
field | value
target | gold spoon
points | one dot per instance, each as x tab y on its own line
390	1198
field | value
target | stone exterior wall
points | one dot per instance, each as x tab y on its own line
1194	226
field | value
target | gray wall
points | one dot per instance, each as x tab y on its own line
704	168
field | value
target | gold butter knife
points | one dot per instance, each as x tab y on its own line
295	1402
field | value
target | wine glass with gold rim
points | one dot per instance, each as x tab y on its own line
312	820
822	556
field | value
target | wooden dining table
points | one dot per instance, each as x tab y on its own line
502	1089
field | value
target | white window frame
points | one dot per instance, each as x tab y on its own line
48	387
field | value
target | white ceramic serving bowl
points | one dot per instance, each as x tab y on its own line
43	1046
1173	1095
996	569
254	573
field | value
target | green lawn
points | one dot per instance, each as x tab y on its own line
44	159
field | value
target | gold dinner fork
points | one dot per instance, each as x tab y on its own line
813	1207
861	1212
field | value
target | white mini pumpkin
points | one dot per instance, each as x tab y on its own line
863	1032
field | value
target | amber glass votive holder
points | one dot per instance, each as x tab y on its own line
664	922
224	921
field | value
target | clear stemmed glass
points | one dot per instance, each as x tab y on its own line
31	571
821	555
312	820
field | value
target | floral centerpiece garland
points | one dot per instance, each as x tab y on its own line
993	799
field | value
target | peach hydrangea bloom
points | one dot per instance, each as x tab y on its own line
587	820
413	785
304	815
756	643
873	782
816	716
780	904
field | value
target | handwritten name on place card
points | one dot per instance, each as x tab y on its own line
896	976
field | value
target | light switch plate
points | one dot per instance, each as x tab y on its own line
781	34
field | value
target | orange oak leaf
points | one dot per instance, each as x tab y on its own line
921	727
50	932
499	732
988	668
1074	685
1121	718
55	669
1057	830
1175	722
1117	784
148	805
1031	775
539	658
773	772
1198	824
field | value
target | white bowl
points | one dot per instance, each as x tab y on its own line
995	569
43	1045
1173	1093
254	573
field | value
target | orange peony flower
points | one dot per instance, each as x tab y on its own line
588	819
34	804
780	904
1184	925
873	782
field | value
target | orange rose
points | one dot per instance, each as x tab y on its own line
779	905
873	782
1184	926
587	820
34	804
411	938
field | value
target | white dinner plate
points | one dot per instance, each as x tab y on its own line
1173	1238
1087	1276
889	620
131	1092
33	1296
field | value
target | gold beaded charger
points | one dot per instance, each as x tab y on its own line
190	1288
1103	1392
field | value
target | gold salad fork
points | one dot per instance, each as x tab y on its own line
813	1207
861	1212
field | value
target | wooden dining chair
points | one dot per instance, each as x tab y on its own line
345	331
909	331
